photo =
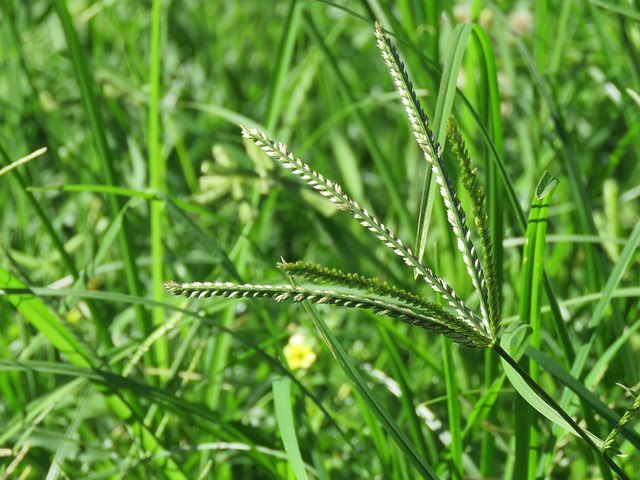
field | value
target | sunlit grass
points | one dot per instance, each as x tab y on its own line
94	227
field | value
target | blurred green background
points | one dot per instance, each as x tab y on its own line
147	179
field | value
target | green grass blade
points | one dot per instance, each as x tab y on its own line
620	268
407	396
533	398
563	30
101	326
20	292
453	408
540	400
283	55
490	102
184	409
67	443
369	137
613	281
94	116
592	401
627	12
530	304
542	20
157	179
377	408
283	400
42	319
595	262
602	364
39	315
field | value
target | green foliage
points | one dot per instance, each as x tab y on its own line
146	178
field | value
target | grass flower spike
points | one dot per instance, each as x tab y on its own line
433	154
453	319
460	324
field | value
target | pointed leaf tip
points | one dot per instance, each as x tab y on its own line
546	185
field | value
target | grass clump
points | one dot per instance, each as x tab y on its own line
145	178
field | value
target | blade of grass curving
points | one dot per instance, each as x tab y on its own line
596	404
193	412
407	398
409	17
450	71
101	325
427	198
90	102
539	399
108	239
620	268
33	409
602	364
483	408
39	315
157	179
619	9
283	402
71	433
10	385
375	406
148	303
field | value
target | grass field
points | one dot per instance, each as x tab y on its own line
147	179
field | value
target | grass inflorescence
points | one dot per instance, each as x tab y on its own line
473	322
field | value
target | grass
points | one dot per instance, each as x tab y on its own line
147	179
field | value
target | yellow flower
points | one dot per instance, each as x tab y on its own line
299	351
74	315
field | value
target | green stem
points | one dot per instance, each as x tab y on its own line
553	404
